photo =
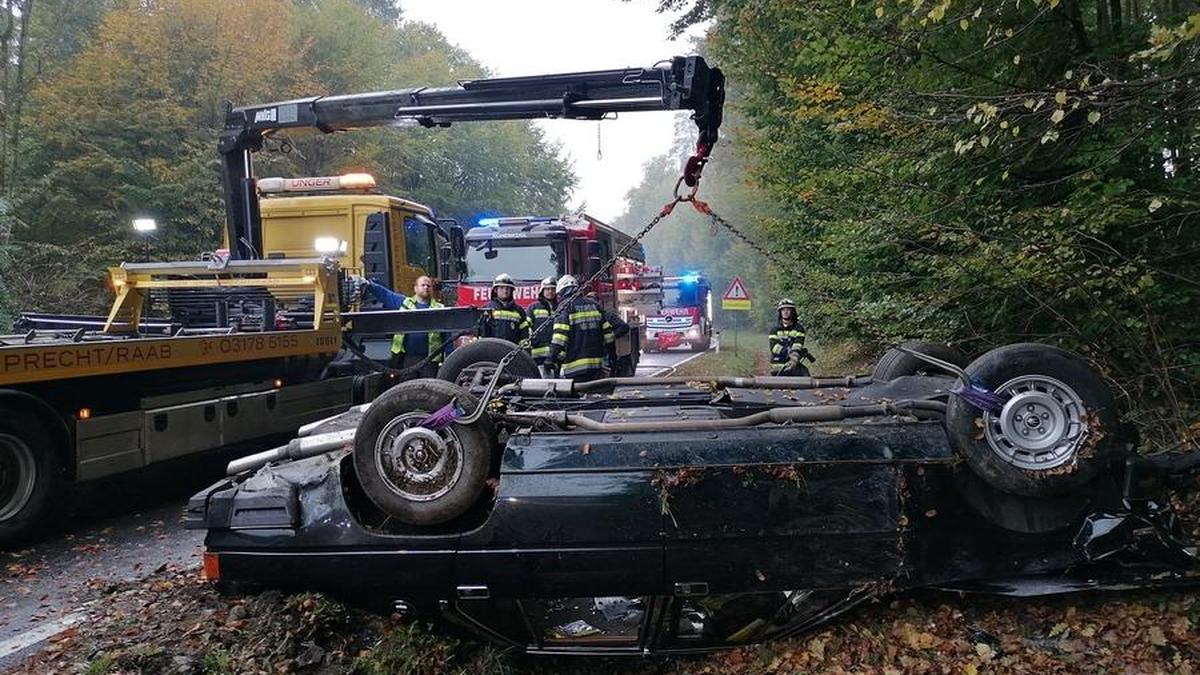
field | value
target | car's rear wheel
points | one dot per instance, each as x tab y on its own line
29	470
1056	430
474	364
896	363
420	475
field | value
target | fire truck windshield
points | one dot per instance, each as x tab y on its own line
682	295
525	260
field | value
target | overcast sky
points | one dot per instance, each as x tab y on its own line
529	37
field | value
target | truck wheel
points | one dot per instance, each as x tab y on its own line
30	470
474	364
1058	427
896	363
422	476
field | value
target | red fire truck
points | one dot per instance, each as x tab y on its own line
533	248
684	316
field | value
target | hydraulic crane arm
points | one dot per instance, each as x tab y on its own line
683	83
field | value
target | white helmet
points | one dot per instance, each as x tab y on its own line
564	282
504	279
548	282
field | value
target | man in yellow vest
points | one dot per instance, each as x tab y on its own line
412	348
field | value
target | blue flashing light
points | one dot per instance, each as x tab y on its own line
489	222
690	278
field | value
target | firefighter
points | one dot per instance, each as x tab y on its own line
502	317
583	338
541	312
622	365
787	342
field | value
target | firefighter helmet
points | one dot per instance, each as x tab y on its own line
786	302
504	279
548	282
565	282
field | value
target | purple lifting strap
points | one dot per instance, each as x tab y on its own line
979	396
442	417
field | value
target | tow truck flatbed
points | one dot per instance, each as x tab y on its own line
60	358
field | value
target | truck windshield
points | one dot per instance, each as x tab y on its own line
683	295
524	260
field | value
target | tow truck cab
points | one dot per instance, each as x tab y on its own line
387	239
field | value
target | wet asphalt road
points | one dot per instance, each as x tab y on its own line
118	530
656	364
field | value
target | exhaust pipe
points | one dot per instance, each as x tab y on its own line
297	448
311	426
539	387
817	413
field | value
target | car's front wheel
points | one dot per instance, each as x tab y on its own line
896	363
473	365
415	470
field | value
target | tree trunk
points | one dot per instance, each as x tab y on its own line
14	114
1114	15
6	90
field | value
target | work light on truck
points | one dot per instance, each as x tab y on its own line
329	245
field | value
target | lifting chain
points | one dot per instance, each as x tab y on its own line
718	222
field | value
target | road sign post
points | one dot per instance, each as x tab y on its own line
737	299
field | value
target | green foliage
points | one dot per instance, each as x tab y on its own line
982	174
128	127
686	240
410	648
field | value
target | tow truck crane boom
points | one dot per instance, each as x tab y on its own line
682	83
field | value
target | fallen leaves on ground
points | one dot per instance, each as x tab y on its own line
173	622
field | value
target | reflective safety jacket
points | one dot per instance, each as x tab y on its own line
582	338
435	340
504	320
782	340
541	312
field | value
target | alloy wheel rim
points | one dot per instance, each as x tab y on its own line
416	463
1041	425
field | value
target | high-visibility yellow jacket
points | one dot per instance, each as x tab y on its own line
504	320
582	338
782	340
436	340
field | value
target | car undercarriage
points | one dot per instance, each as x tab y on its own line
673	514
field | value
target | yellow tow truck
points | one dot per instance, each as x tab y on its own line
248	350
252	344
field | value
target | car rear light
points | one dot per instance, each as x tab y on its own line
212	567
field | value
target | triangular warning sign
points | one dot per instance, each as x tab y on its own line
736	291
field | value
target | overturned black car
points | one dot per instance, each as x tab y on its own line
665	515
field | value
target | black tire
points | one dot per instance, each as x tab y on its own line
487	352
467	453
1075	416
30	473
896	363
